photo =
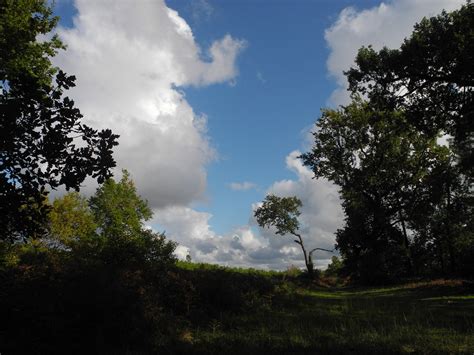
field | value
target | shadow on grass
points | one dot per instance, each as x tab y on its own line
419	319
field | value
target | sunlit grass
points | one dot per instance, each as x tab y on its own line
422	318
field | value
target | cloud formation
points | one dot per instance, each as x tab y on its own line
250	245
191	229
131	58
242	186
131	62
384	25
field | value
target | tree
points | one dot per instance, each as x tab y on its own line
120	214
72	223
430	77
334	267
431	80
43	144
118	209
380	162
282	213
403	194
101	268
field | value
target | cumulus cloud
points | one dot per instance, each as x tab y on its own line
384	25
249	245
192	230
131	58
321	215
242	186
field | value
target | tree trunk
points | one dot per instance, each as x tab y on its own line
308	260
448	221
309	266
406	241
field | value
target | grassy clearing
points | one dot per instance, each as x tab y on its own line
421	318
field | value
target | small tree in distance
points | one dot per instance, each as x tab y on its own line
283	213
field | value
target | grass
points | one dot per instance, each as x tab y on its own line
419	318
236	270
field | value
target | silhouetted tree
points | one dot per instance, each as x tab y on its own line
43	143
380	162
405	196
430	78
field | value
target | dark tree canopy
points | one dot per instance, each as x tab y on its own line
280	212
408	200
431	77
43	144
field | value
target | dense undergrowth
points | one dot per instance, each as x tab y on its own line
52	303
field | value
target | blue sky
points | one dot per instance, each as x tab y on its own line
260	92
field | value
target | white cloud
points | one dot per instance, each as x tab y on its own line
321	216
242	186
191	229
130	58
384	25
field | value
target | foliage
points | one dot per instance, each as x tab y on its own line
118	209
39	125
379	163
282	213
334	268
408	200
83	288
430	77
71	221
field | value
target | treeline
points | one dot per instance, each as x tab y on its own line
100	282
83	275
407	195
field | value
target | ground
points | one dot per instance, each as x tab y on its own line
418	317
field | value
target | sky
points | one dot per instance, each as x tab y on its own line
215	100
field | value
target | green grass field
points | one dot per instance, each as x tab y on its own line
419	318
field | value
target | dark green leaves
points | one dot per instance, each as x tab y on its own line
43	143
281	212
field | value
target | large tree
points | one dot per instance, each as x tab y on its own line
430	77
379	162
406	198
43	143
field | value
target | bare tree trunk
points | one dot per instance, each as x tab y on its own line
299	241
406	240
308	260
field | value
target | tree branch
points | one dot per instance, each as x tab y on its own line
313	250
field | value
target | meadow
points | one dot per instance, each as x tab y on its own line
53	302
421	317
